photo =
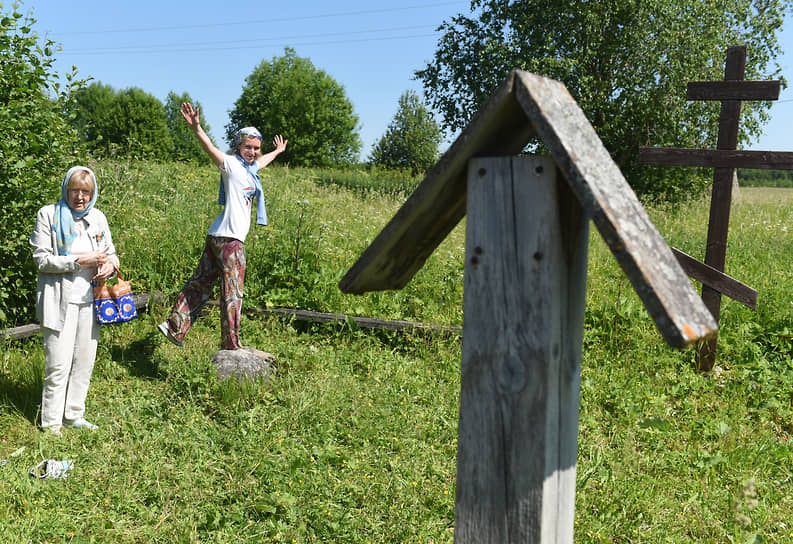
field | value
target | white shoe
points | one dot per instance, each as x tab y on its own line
81	423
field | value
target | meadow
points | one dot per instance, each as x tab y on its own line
355	439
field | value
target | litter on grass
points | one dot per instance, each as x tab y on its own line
51	469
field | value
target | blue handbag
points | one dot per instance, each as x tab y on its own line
114	303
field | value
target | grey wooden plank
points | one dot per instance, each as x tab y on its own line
142	302
640	250
716	158
363	322
436	206
23	331
308	316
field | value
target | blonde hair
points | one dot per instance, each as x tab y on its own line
81	179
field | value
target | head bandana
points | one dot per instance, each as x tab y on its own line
64	218
244	133
240	136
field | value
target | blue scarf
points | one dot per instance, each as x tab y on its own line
261	212
64	218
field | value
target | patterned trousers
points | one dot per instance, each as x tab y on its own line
223	258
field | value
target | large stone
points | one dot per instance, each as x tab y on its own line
246	363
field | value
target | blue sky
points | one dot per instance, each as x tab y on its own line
207	50
777	133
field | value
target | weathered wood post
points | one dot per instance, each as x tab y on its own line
525	278
525	283
721	198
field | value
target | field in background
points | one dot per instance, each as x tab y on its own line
355	440
766	178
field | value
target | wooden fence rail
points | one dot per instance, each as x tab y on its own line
143	300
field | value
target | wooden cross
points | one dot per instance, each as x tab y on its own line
724	160
527	234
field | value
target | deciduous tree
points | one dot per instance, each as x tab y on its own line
185	144
289	96
626	62
411	140
93	107
130	122
36	148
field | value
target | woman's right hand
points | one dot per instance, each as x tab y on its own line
190	115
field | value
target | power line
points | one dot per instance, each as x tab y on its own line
257	22
254	42
134	50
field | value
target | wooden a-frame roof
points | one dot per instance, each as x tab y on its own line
524	106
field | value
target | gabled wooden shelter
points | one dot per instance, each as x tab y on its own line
525	279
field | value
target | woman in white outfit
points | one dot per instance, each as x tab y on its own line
71	247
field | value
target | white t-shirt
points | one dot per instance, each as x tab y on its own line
235	219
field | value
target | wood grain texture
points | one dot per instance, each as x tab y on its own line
525	281
733	90
601	189
717	280
721	199
716	158
437	205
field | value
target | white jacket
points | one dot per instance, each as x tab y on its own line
57	272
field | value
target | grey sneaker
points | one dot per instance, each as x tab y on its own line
166	330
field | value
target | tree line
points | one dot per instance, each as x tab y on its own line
765	178
285	95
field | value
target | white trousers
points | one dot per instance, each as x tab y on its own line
69	357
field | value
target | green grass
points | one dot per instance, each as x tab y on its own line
355	439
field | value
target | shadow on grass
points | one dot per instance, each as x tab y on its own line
138	356
393	338
23	395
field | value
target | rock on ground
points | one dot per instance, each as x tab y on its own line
245	363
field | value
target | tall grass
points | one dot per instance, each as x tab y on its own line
668	454
355	439
317	229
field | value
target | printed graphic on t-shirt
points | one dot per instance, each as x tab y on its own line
250	193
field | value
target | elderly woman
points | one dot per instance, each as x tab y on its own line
224	251
71	247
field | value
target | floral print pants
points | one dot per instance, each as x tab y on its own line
223	258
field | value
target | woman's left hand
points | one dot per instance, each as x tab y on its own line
279	143
104	271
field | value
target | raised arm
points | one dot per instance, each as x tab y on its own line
191	116
280	146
